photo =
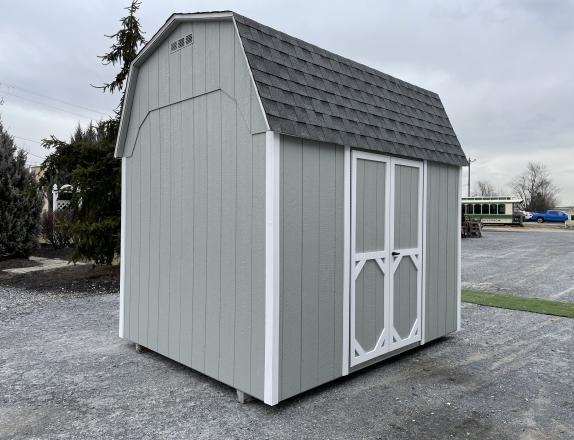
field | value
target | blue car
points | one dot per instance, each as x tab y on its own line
549	216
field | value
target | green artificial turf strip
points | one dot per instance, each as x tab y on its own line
514	302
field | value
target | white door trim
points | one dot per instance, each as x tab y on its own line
354	261
357	260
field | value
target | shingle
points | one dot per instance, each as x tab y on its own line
309	92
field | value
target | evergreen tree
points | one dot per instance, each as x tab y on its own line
128	40
20	201
89	159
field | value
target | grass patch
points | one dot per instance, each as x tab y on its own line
514	302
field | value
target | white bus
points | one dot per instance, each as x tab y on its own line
492	210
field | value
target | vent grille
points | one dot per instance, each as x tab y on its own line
181	43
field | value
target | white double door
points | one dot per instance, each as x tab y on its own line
386	255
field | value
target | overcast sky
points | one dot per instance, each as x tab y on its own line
504	69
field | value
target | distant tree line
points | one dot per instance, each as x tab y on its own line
534	186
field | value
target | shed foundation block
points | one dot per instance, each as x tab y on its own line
141	349
244	398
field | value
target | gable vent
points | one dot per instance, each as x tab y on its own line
181	43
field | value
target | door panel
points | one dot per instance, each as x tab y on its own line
406	253
369	299
405	304
406	188
371	209
370	307
386	236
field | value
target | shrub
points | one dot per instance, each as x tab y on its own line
20	201
54	226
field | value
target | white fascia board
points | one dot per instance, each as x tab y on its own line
159	37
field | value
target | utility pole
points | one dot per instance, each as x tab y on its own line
469	162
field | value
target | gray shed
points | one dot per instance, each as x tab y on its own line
289	216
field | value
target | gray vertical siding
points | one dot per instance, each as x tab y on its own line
441	252
311	286
195	236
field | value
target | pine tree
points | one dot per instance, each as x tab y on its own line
89	160
128	39
20	201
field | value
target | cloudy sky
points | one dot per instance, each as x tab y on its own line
504	69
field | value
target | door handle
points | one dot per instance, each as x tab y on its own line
395	254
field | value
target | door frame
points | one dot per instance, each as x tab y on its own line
350	156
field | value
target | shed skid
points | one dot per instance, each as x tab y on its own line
285	218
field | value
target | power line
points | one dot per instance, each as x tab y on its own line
26	139
32	154
47	105
53	99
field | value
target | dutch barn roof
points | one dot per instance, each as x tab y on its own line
311	93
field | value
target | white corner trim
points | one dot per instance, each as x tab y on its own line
251	75
459	268
347	257
272	268
423	254
123	247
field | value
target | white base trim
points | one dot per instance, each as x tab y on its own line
272	268
123	247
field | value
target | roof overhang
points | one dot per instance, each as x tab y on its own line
159	37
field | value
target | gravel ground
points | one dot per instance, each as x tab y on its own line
65	374
523	262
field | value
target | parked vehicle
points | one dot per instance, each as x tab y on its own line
549	216
492	210
527	216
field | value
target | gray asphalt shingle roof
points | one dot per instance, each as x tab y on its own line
311	93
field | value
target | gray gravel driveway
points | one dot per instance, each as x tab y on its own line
65	374
522	262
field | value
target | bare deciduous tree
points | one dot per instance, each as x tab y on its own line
535	187
484	188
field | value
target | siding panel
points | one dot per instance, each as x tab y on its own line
214	269
165	222
441	250
188	216
311	264
228	240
